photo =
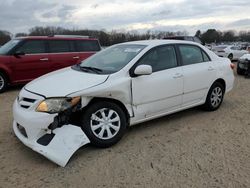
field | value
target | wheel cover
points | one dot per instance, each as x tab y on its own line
216	97
105	123
1	82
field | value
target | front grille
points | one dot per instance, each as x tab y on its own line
22	130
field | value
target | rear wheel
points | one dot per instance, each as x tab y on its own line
104	123
230	56
215	97
3	82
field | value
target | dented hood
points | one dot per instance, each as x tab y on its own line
64	82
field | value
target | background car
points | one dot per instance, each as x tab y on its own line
243	64
246	47
187	38
231	52
23	59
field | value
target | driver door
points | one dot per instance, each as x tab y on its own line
34	63
160	92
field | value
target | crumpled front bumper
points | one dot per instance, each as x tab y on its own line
67	139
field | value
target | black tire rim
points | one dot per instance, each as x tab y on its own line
216	97
2	82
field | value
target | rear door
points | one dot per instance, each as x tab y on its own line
87	47
62	53
33	64
198	71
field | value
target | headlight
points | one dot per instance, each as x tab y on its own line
55	105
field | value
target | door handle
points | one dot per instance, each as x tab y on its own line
210	69
44	59
76	57
177	75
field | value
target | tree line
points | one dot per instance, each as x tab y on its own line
216	36
114	37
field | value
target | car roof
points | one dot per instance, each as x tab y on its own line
160	42
57	38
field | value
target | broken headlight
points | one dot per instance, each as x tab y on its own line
56	105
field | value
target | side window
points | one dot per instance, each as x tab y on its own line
190	54
59	46
235	48
205	57
32	47
189	39
72	46
160	58
196	39
87	45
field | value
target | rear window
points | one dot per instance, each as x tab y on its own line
87	45
59	46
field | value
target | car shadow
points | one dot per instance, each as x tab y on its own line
171	122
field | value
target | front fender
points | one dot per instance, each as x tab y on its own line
118	89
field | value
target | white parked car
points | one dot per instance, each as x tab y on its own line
231	52
122	85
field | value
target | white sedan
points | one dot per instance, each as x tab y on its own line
231	52
123	85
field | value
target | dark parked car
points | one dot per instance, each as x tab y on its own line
188	38
26	58
243	66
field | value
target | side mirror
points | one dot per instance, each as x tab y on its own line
143	70
18	53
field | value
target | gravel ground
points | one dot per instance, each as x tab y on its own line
192	148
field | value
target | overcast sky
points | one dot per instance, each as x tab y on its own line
141	15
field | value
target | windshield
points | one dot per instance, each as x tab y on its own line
112	59
8	46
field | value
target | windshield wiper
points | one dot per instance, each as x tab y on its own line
93	69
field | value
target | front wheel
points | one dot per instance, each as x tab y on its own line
3	82
214	97
104	123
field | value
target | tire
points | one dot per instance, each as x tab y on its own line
230	56
215	97
104	123
239	70
3	82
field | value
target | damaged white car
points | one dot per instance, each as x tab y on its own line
125	84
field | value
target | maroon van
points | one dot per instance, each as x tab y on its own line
26	58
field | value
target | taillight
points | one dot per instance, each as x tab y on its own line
221	51
232	65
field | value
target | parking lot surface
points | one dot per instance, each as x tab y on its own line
192	148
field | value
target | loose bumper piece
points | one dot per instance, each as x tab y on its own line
65	142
